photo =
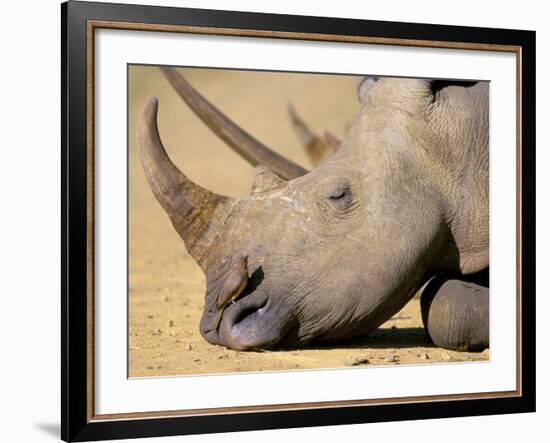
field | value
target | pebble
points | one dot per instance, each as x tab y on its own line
150	316
173	333
446	356
171	324
360	361
165	298
424	356
391	358
156	332
188	347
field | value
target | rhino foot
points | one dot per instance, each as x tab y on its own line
456	313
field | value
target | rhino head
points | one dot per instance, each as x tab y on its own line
331	254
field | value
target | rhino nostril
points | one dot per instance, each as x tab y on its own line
249	310
236	286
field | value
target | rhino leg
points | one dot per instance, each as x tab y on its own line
456	313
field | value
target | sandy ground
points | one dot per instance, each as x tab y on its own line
166	287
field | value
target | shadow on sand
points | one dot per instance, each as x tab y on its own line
381	338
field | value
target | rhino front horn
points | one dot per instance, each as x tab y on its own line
193	210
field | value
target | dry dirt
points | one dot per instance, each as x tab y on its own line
166	287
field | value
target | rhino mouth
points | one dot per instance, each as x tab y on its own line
247	323
254	320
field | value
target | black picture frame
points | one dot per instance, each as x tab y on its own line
77	423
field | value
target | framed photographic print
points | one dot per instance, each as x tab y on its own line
277	221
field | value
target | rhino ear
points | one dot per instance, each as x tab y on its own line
426	87
364	85
265	180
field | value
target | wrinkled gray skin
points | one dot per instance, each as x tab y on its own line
336	252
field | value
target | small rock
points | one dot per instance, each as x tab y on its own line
150	316
188	347
197	360
165	298
173	333
446	356
360	361
171	323
391	358
150	367
424	356
394	327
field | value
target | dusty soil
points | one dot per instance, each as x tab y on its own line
166	287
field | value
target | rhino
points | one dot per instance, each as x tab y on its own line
400	204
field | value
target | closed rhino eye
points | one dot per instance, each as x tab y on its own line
339	195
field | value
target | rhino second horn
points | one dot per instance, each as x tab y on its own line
332	142
318	149
266	180
192	209
236	138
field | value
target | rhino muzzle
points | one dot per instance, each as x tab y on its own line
242	316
